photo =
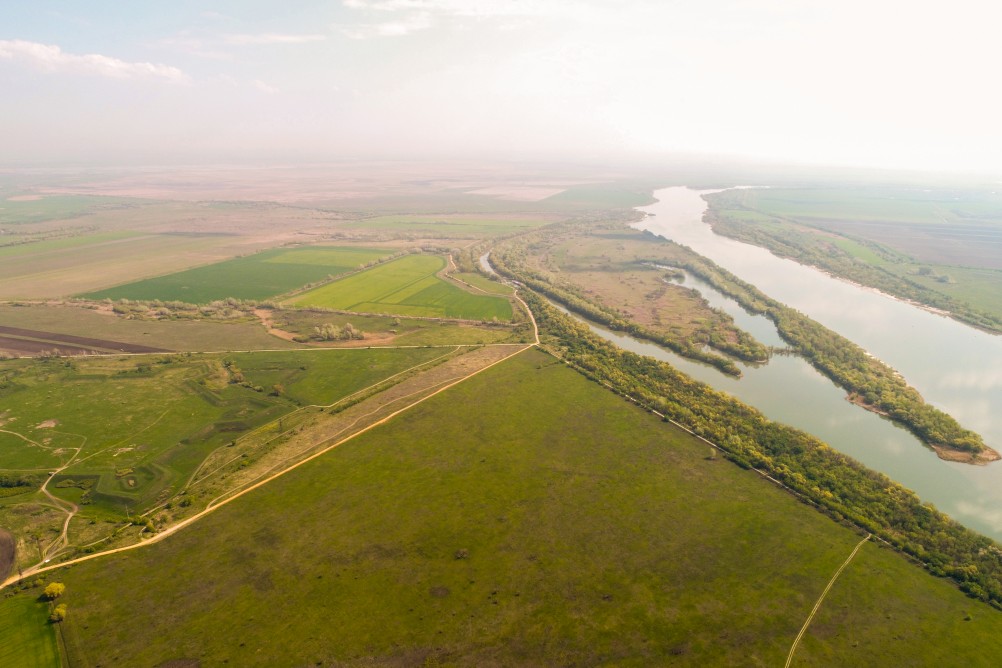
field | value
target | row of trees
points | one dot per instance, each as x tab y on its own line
510	261
869	381
837	484
331	332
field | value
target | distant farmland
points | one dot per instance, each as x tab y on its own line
407	286
258	276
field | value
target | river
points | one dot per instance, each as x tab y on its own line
955	367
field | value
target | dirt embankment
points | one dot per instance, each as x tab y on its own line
8	553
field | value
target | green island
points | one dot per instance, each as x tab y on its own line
869	382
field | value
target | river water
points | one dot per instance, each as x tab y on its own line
955	367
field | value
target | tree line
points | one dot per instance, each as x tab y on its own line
835	483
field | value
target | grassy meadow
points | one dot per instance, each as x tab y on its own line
499	536
406	286
259	276
27	639
132	430
382	330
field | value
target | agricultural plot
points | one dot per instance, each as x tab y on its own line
501	537
61	321
454	226
483	283
937	226
407	286
383	330
61	267
258	276
130	431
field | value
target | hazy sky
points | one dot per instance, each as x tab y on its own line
867	82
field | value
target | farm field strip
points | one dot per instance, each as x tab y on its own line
79	341
199	476
258	276
330	435
139	253
407	286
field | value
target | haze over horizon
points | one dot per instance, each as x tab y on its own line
879	84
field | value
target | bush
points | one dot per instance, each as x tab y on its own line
58	614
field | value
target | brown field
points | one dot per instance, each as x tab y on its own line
963	244
179	335
31	348
7	553
79	341
612	275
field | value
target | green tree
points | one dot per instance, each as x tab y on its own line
54	590
58	614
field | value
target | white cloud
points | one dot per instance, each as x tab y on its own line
405	26
474	8
264	87
52	58
272	38
417	15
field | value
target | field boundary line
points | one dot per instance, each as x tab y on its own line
193	479
177	527
814	610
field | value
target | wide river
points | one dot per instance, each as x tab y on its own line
955	367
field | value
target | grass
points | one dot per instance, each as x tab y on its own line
257	276
406	286
484	283
66	266
500	536
27	639
389	330
143	424
179	335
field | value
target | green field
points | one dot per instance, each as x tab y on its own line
381	330
406	286
257	276
143	424
501	536
61	267
484	283
27	640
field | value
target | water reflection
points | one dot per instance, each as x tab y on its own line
955	367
